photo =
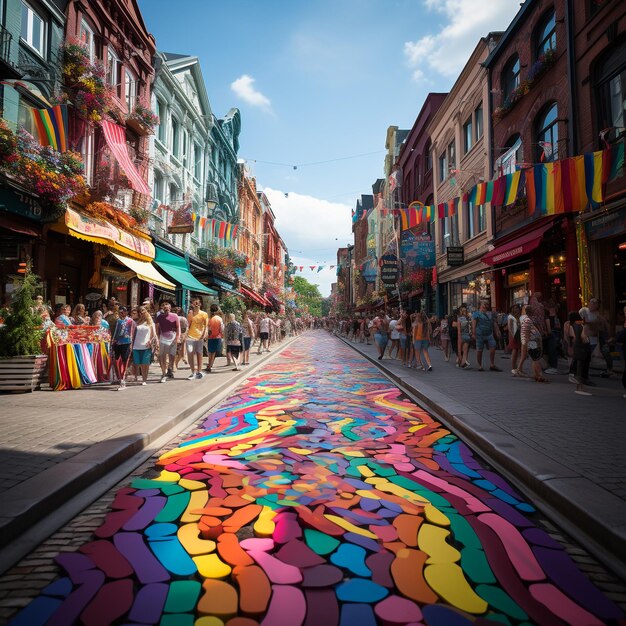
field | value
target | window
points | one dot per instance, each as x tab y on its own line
131	85
33	29
451	155
87	39
185	143
443	167
25	118
197	169
88	152
510	156
114	70
478	121
175	137
446	234
173	194
547	133
610	82
467	135
510	76
159	188
160	111
429	158
482	218
469	219
545	35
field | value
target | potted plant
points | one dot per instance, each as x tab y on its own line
21	363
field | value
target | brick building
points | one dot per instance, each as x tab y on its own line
598	58
532	122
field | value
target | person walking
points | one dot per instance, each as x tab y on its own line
122	340
198	322
554	338
264	333
248	335
234	339
484	331
464	332
216	334
597	329
168	331
181	352
404	333
422	336
579	340
144	342
515	344
394	336
444	336
380	326
532	340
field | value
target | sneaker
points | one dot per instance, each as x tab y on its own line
170	374
551	370
199	376
572	379
429	368
191	376
144	383
236	369
163	379
122	385
466	366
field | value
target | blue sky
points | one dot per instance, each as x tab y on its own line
318	81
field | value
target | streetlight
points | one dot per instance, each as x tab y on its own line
211	198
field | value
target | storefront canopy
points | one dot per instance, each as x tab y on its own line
145	271
177	268
102	232
518	247
254	296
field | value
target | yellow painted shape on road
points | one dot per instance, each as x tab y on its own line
302	451
351	528
168	476
435	516
384	485
365	471
413	429
191	485
211	566
189	537
208	620
366	493
448	581
432	540
197	501
264	525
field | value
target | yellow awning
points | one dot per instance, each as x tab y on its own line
145	271
100	231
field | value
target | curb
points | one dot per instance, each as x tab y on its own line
34	499
597	520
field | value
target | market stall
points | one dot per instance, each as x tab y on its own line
77	356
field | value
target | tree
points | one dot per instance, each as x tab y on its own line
308	296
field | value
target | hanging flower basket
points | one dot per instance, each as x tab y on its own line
142	119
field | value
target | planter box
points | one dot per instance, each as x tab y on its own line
22	373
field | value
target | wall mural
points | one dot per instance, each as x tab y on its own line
319	494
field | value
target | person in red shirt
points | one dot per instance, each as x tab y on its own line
216	333
168	331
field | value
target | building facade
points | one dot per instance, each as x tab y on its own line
460	137
529	75
250	239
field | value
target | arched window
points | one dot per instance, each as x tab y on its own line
610	91
547	134
545	34
510	76
511	155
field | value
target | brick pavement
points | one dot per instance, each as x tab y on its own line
53	444
565	448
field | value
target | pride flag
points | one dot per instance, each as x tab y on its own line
51	125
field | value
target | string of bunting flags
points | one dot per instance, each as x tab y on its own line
569	185
312	268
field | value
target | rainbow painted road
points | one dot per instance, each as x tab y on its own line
318	494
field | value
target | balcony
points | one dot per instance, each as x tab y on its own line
8	67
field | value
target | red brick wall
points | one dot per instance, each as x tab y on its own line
552	86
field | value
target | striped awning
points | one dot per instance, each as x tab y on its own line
115	137
145	271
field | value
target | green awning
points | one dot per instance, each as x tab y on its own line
177	268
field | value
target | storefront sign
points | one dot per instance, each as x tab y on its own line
23	204
389	269
417	251
369	271
455	256
94	229
607	225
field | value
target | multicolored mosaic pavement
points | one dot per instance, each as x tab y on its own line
318	495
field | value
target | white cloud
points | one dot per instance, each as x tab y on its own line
465	22
312	230
244	88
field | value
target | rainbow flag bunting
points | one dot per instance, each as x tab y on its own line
51	125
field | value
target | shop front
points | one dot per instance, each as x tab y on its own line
466	284
542	257
606	237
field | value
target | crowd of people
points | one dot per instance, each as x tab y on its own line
532	334
168	335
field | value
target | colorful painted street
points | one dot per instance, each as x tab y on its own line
319	494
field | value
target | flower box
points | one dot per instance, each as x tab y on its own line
22	373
